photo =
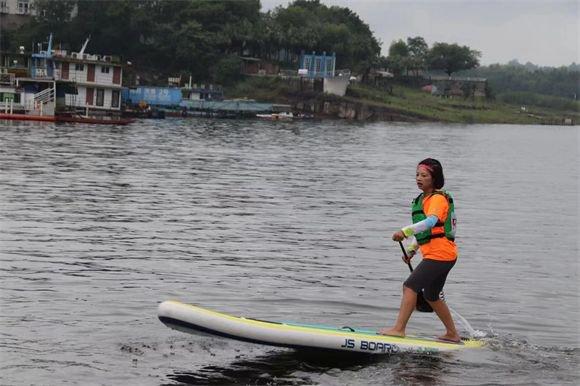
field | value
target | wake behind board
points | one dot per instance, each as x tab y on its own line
196	320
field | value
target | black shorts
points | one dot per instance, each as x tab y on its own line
429	277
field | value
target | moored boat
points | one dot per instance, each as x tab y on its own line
94	120
67	119
276	116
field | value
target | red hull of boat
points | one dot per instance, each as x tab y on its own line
98	121
24	117
47	118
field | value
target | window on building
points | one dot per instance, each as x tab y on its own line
115	98
3	6
100	97
23	7
329	67
105	69
317	65
79	67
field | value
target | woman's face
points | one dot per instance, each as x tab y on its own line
424	179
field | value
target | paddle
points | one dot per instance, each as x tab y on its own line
422	304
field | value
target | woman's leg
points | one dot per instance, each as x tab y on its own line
407	306
442	311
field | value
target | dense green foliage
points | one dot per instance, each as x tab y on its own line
206	39
531	85
201	37
451	58
515	83
311	26
415	55
514	77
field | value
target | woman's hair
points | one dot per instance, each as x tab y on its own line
436	171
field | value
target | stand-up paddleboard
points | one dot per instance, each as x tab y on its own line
196	320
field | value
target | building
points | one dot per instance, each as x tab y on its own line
458	86
323	67
203	92
257	66
317	66
18	7
87	81
24	8
19	93
96	80
15	13
50	81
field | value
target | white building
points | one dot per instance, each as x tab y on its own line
23	7
96	77
17	7
90	82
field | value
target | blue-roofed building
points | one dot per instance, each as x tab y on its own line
317	65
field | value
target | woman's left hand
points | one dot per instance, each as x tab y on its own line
398	236
407	259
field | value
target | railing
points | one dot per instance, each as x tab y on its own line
8	107
44	96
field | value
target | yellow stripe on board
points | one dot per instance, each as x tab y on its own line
284	327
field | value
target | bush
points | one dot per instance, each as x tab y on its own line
529	98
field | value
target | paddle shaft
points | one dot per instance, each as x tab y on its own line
406	256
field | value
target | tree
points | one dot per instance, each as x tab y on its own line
312	26
53	15
509	78
452	58
227	70
398	59
418	50
200	37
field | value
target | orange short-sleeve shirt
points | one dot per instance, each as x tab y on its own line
439	248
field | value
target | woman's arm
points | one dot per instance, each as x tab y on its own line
413	229
412	246
419	227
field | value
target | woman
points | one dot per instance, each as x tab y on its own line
433	232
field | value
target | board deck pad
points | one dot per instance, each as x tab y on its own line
197	320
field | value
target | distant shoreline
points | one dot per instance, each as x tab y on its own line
401	104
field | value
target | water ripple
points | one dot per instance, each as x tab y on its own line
286	221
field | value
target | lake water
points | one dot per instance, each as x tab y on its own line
281	221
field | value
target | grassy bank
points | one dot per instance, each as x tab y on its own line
478	110
409	102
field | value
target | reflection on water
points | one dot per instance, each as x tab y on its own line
281	221
296	368
276	367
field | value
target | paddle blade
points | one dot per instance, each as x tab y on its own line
422	305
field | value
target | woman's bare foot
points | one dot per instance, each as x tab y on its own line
392	332
450	338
